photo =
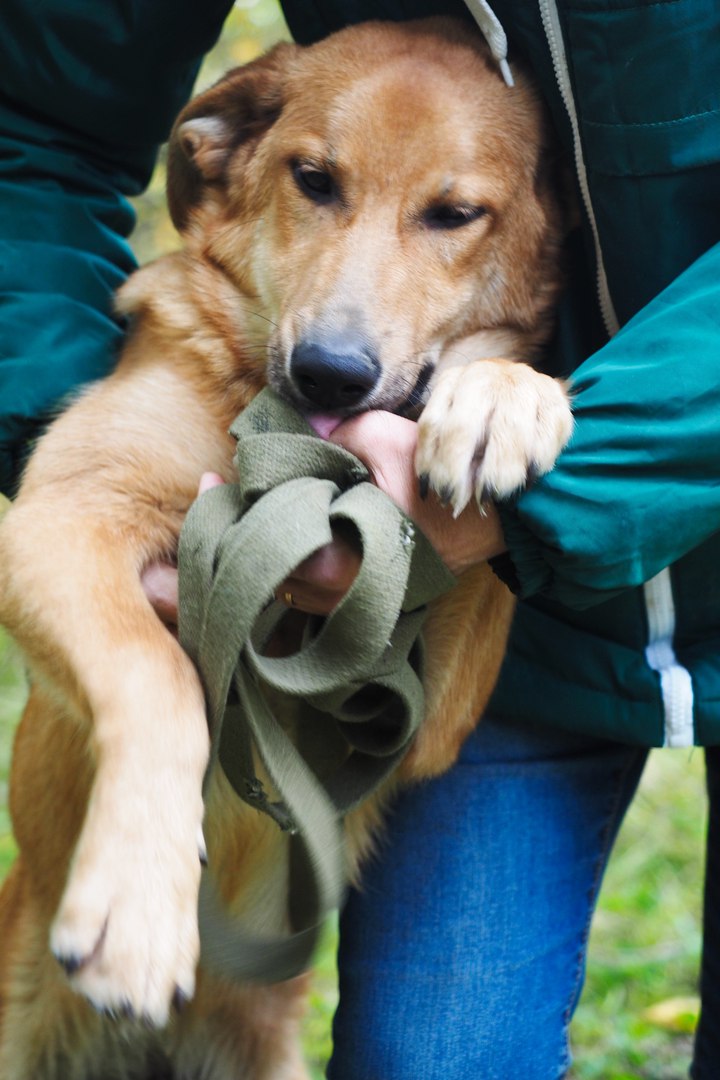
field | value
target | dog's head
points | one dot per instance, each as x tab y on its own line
375	198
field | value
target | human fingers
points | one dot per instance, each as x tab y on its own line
160	583
319	583
160	579
209	480
387	444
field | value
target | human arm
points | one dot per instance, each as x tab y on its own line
637	487
86	96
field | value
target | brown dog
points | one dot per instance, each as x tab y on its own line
368	225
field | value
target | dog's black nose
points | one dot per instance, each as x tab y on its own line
333	378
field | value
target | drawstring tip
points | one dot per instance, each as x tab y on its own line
506	72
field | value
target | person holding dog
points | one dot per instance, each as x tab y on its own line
463	955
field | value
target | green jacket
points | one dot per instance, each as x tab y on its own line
634	91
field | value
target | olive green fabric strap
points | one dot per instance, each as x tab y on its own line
356	680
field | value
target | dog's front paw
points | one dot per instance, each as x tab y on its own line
488	429
126	931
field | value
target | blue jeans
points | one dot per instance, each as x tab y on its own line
463	956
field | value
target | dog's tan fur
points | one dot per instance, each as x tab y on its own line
110	754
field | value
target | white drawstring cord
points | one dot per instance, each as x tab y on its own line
494	34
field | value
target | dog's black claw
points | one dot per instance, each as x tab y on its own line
445	495
532	475
148	1023
486	495
423	485
69	964
180	999
109	1012
202	847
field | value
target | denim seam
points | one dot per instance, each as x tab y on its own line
606	841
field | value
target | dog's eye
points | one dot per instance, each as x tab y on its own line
445	216
316	184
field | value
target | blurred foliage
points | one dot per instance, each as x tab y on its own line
12	697
317	1025
640	1006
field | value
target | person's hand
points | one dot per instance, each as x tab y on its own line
316	587
319	583
386	444
160	579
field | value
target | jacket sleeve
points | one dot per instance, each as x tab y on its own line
639	484
87	93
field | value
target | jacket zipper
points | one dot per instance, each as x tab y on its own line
553	34
675	681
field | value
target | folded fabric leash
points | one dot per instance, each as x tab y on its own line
355	681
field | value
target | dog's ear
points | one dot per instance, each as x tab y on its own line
237	110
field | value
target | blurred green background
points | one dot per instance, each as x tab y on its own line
639	1008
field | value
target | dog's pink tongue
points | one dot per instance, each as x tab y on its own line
323	424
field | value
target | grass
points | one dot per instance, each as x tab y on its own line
12	695
639	1007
